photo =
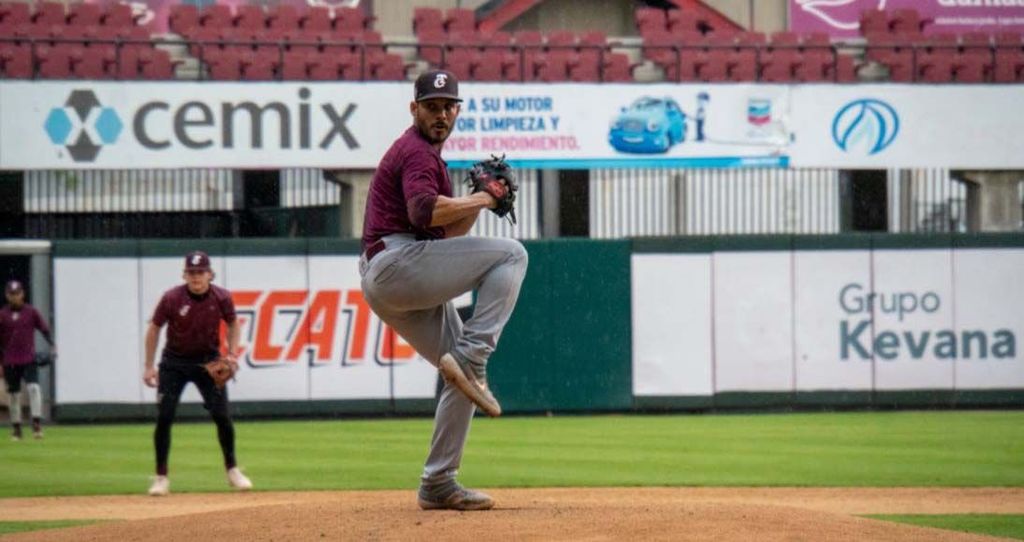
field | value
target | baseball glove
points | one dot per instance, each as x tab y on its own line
43	359
221	370
495	177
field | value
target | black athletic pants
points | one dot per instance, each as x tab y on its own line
174	375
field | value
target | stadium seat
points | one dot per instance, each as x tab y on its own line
460	20
616	68
490	67
661	48
55	65
14	14
651	21
126	64
295	66
283	17
553	69
216	16
352	19
561	44
91	65
183	19
430	46
386	67
118	15
529	45
742	61
588	72
49	13
16	62
874	22
682	21
1009	58
250	17
324	68
906	23
427	20
257	67
156	64
84	14
460	61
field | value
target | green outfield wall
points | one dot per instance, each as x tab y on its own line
694	323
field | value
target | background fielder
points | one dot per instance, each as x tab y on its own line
18	323
193	312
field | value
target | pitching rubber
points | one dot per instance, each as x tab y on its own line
453	373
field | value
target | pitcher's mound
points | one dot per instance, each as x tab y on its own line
526	514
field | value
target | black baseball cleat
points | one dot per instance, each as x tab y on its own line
472	385
456	498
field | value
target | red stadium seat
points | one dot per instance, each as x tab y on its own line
353	19
184	19
460	20
874	22
553	69
906	22
49	13
427	20
460	61
15	61
156	64
323	68
430	47
661	48
295	66
15	14
251	17
283	17
780	67
530	44
56	65
91	65
616	68
257	67
84	14
118	15
226	66
387	67
490	66
651	21
681	21
216	16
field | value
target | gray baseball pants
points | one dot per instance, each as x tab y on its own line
410	286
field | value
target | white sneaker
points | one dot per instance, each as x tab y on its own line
238	480
161	486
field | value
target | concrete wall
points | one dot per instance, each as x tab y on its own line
761	15
613	17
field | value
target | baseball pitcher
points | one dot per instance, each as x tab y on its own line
416	259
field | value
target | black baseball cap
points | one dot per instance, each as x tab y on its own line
437	84
197	260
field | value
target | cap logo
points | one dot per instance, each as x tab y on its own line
196	259
441	80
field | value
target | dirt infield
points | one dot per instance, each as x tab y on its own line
521	514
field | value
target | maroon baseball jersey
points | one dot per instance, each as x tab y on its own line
193	329
17	330
404	189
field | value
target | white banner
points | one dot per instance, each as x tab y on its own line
839	320
307	332
908	126
119	125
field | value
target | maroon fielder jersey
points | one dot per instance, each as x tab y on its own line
404	189
17	330
193	329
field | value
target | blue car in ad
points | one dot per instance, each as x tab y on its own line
648	125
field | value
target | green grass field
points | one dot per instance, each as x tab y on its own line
879	449
960	449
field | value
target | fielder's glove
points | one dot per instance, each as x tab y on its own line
221	370
43	359
495	177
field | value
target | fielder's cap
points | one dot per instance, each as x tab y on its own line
437	84
197	260
14	286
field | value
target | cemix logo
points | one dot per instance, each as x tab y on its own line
866	126
183	123
83	125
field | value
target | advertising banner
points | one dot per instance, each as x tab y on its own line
82	125
841	18
908	126
306	331
839	320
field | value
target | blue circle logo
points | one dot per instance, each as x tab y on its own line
866	126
